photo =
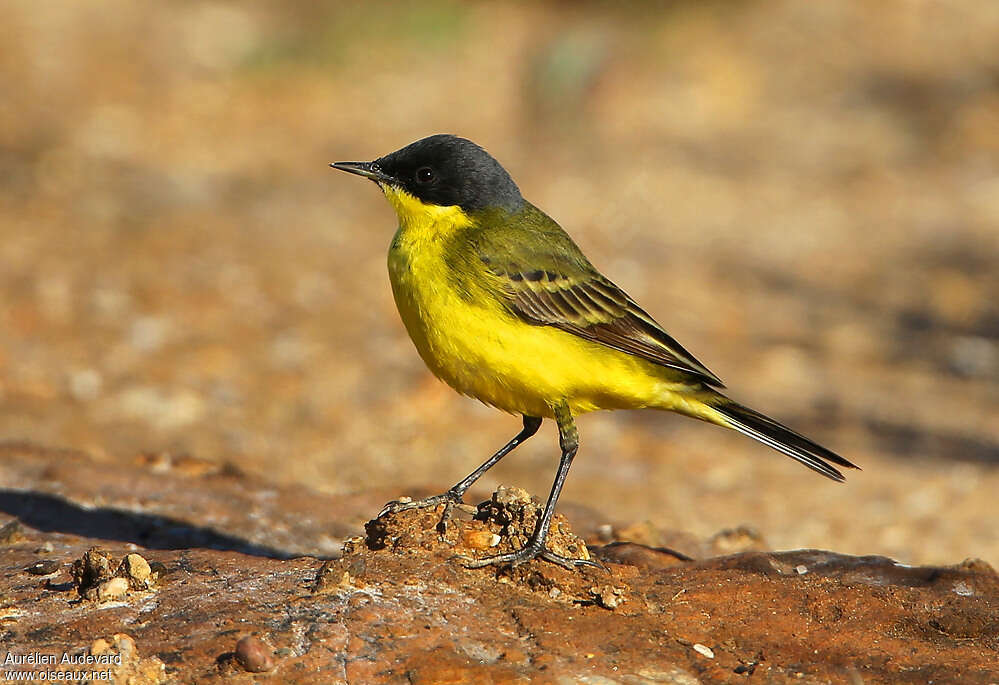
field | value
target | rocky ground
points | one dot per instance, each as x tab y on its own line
803	194
191	574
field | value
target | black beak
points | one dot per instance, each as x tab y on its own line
365	169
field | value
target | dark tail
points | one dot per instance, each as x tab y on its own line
782	439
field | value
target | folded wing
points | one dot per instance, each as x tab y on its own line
545	279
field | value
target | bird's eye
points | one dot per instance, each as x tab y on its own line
424	174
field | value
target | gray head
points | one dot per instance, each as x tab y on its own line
444	170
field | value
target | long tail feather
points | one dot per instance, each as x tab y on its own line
782	439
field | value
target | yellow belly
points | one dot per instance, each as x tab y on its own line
481	350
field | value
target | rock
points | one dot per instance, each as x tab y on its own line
733	540
253	655
44	567
91	570
512	515
136	571
62	490
502	524
480	539
608	596
94	579
332	577
640	556
398	605
115	588
11	532
704	650
684	546
120	654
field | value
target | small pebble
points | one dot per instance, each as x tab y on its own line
801	569
331	577
124	644
136	570
11	532
511	495
93	568
963	589
703	650
43	567
99	646
607	596
253	655
116	588
480	539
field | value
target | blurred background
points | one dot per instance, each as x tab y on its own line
806	195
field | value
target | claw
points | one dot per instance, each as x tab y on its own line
395	506
530	553
569	563
405	504
513	559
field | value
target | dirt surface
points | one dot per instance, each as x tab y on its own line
397	605
804	194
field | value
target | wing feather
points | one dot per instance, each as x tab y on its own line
597	310
543	278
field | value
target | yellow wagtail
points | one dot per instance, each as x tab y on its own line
504	307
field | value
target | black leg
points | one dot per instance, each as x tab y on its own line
569	441
531	426
456	492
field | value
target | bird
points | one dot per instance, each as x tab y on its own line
503	306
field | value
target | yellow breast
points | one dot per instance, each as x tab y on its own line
469	339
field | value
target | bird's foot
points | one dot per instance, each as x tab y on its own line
448	499
530	552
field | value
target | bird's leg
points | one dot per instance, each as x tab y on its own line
456	492
569	442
